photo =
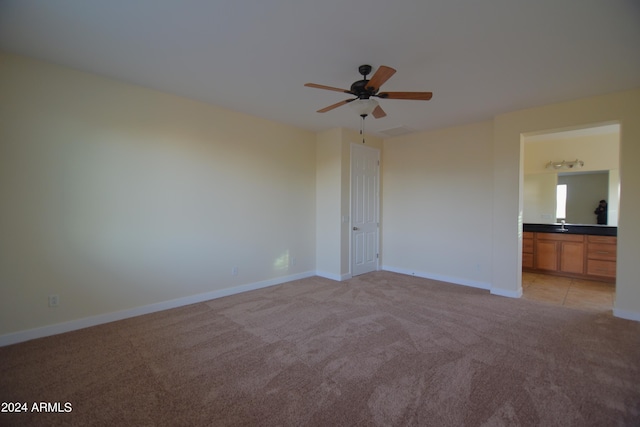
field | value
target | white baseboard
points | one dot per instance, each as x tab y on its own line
441	278
506	292
331	276
99	319
626	314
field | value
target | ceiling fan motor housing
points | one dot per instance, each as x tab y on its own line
359	88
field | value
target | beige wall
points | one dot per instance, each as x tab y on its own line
114	196
437	206
599	152
539	198
328	203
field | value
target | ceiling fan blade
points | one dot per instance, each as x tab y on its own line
418	96
335	89
378	112
336	105
382	74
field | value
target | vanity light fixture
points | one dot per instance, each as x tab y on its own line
576	164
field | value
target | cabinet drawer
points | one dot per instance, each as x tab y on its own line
527	246
601	268
527	234
561	237
602	251
611	240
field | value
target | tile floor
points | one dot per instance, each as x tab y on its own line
576	293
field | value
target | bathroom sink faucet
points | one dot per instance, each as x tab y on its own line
563	229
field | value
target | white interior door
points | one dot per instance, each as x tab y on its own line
365	173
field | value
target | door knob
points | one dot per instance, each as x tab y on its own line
355	229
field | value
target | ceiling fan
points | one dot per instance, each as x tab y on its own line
364	89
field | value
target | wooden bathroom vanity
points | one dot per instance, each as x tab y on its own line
572	250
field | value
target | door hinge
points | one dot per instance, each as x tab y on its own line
377	255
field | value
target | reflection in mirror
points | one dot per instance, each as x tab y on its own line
597	178
583	194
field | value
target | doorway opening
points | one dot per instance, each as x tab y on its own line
580	272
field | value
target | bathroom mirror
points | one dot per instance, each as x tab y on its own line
582	193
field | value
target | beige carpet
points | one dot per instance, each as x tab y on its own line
380	349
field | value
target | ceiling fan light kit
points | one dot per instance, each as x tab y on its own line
364	107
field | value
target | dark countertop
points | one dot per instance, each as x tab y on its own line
594	230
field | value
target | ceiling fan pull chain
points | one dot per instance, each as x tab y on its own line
362	126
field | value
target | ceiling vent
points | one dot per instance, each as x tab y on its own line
398	130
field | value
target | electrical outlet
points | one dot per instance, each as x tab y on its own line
234	271
54	300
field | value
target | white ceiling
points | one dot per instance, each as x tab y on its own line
480	58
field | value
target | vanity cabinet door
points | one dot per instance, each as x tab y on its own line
560	252
546	255
572	257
